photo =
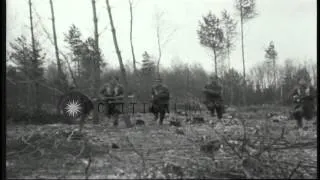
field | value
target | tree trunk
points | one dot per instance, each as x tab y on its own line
135	72
243	61
34	64
159	50
231	96
131	43
70	70
242	44
78	68
123	71
61	77
96	62
215	62
229	61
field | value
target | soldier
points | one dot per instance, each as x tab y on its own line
74	104
111	92
213	97
303	97
160	100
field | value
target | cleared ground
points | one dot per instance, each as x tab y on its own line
272	148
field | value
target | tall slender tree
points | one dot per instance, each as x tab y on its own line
122	68
73	38
229	26
96	60
211	35
163	37
271	56
131	41
60	76
247	11
34	59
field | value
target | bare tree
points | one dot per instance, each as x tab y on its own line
247	10
161	42
131	43
122	69
96	60
229	26
34	59
61	77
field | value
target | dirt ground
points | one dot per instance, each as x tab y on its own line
251	144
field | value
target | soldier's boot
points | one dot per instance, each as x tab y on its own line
212	113
116	121
298	117
156	116
162	115
219	112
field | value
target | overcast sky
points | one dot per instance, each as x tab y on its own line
291	24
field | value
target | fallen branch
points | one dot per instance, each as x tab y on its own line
226	141
304	145
139	154
88	166
37	149
269	147
294	170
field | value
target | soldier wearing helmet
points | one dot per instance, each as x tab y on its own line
111	92
160	100
213	96
303	96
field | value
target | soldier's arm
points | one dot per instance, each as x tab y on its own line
120	92
293	92
313	93
211	91
102	90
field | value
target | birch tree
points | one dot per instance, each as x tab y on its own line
122	68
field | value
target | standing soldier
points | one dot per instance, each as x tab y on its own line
160	100
303	97
111	92
213	97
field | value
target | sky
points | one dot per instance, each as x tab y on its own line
291	24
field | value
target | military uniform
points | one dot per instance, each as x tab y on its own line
213	98
112	92
160	100
303	97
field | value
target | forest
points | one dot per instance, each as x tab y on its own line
256	137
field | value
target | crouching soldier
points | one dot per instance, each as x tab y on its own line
111	93
160	100
303	96
213	97
75	105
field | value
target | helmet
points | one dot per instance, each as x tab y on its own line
214	78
